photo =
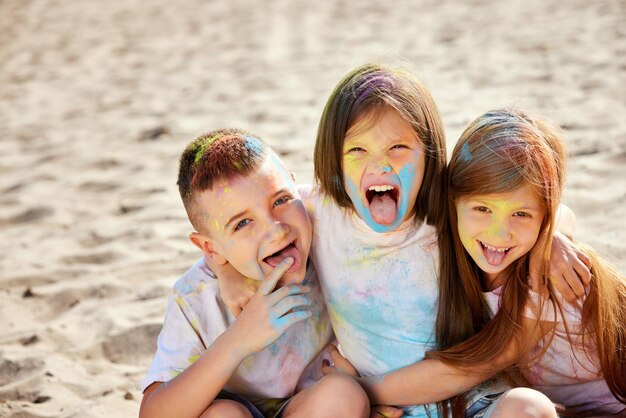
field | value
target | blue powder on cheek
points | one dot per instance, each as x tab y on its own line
406	176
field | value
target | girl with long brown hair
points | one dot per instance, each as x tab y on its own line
505	180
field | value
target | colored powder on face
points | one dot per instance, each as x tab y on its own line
285	175
406	176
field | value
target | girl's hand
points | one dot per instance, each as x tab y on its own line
268	314
340	364
380	411
569	269
236	290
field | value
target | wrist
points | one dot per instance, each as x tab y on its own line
232	348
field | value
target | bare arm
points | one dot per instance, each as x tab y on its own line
262	321
431	380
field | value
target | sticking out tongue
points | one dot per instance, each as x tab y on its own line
494	257
288	251
383	208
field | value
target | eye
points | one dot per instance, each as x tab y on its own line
522	214
400	146
281	200
482	209
242	223
355	149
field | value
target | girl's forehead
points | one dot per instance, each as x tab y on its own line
387	123
526	196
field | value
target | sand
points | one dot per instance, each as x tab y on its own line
97	99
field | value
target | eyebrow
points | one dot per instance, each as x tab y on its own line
242	213
487	202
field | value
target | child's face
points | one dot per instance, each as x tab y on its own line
255	222
383	168
497	229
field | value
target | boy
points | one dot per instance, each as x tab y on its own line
246	212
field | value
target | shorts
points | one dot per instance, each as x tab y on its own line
256	413
481	406
482	397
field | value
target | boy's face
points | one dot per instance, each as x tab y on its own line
383	167
255	222
497	229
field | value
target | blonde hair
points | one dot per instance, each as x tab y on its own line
499	152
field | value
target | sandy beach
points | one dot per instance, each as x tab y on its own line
98	99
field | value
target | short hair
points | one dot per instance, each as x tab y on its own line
367	89
218	155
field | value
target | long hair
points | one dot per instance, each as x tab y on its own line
499	152
366	89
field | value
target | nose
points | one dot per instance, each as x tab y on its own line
501	230
379	165
276	230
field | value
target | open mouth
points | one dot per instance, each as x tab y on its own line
290	250
494	255
383	203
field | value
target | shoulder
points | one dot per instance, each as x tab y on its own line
197	279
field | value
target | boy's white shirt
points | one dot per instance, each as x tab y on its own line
380	288
566	373
196	316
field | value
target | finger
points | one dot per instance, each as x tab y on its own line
584	258
289	303
559	283
281	324
582	267
283	292
270	281
574	282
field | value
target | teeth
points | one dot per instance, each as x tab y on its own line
500	250
381	188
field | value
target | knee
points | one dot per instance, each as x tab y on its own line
226	408
524	403
339	396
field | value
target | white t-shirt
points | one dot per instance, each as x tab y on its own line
196	316
380	288
565	373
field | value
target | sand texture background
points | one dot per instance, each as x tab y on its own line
97	100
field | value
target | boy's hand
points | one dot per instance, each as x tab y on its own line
236	290
340	364
267	315
569	269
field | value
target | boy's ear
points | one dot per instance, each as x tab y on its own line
208	247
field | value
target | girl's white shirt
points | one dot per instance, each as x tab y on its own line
380	288
569	372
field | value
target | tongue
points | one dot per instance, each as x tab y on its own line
383	209
494	257
289	251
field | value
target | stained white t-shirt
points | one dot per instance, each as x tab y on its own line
196	316
567	373
380	288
